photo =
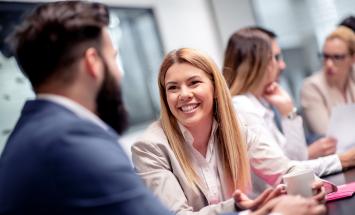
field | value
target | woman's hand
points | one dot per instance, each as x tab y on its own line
244	202
319	191
347	159
289	205
279	98
322	147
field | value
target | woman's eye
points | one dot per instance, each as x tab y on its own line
171	88
195	82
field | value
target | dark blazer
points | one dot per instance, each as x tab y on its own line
57	163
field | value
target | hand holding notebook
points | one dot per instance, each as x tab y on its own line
345	190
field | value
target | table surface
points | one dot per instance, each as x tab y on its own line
342	206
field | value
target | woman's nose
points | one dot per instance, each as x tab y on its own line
185	93
328	62
282	65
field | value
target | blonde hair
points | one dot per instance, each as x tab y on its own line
247	56
345	34
232	146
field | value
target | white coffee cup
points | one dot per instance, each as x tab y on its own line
299	183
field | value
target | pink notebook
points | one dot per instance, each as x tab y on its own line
343	191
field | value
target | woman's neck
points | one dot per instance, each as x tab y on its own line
341	85
201	135
257	93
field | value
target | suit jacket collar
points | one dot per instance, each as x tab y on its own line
38	106
74	107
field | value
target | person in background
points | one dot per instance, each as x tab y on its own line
332	86
323	146
195	158
251	69
63	156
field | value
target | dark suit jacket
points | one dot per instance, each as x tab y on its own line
57	163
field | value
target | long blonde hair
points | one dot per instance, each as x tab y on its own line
232	145
247	56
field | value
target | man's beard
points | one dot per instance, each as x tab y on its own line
110	107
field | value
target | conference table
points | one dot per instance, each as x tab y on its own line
344	206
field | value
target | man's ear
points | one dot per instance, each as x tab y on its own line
93	63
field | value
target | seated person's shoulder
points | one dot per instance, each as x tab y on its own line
246	109
314	79
154	134
243	103
85	154
314	85
83	134
152	143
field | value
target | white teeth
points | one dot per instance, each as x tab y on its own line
188	108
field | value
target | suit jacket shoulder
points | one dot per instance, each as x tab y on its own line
316	81
57	162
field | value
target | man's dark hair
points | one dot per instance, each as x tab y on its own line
349	22
55	36
269	33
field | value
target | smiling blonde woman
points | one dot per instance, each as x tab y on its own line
195	157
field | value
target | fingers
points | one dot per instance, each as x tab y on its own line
330	145
320	196
278	191
262	198
281	188
271	88
267	208
327	146
289	205
319	191
315	208
242	201
318	210
330	151
322	147
237	195
317	184
331	140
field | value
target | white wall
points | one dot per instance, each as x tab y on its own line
201	24
232	15
182	23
